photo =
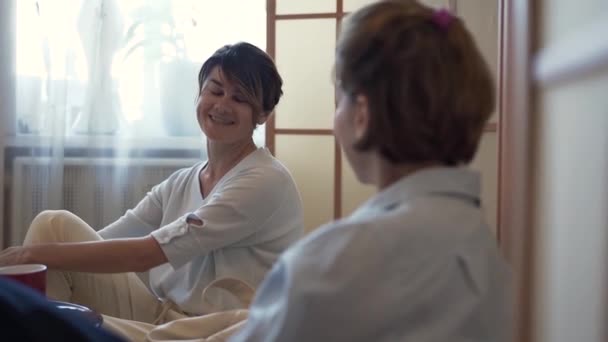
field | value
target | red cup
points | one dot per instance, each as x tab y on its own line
32	275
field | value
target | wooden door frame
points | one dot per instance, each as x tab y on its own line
271	130
515	205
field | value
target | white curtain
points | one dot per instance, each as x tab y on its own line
104	99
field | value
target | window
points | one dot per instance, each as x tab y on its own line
120	68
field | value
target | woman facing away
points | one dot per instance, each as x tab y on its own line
228	217
417	261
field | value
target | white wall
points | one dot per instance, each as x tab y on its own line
571	174
572	215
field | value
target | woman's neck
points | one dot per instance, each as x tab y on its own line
223	157
387	173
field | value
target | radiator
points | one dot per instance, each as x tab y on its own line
99	190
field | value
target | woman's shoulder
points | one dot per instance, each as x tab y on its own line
392	234
336	238
181	178
262	166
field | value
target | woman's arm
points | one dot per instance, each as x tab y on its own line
139	221
148	213
107	256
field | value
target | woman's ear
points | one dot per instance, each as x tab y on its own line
361	116
261	118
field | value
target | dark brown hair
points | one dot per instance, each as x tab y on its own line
429	90
252	70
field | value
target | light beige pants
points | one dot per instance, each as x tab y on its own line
129	308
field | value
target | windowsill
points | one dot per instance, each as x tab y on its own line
106	142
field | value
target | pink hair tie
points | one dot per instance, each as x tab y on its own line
442	18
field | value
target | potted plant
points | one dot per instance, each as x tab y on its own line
169	73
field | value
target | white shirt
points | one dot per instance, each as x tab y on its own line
252	215
417	262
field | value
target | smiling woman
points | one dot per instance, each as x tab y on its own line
227	217
141	125
226	81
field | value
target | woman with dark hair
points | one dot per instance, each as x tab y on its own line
228	217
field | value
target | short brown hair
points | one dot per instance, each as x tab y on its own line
429	89
252	70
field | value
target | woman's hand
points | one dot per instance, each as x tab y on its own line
14	256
